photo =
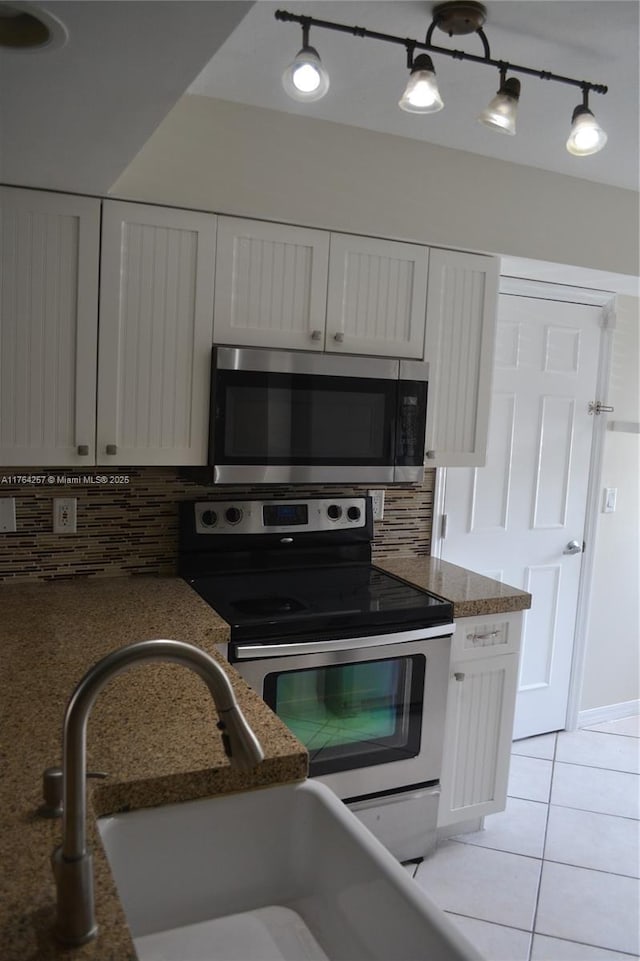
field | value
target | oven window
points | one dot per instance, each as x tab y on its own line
352	715
274	418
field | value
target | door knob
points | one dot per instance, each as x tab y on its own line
573	547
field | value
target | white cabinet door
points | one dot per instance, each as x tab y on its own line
377	297
459	344
271	285
478	733
156	325
48	328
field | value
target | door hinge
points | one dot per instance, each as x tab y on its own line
596	407
444	523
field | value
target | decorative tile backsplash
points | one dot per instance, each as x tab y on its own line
131	526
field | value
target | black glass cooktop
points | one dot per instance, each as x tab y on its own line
357	600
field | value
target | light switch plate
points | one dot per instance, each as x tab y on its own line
7	515
609	500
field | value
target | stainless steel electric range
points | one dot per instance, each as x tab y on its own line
354	661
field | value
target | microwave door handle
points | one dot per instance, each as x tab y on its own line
247	652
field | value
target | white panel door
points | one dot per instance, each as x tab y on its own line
156	328
461	322
48	328
514	519
271	285
377	297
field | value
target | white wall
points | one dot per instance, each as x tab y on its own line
215	155
612	668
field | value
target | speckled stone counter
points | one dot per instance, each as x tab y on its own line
471	594
152	729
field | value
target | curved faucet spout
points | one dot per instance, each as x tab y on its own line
72	862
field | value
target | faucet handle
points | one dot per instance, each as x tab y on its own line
52	781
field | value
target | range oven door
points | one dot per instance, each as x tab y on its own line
370	710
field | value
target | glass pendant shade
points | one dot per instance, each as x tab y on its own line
501	113
305	78
587	136
421	94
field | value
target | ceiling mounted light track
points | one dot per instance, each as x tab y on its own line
455	18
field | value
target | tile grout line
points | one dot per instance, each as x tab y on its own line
534	857
544	845
556	937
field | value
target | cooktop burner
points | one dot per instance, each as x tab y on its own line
258	606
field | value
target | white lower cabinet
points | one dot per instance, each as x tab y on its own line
483	683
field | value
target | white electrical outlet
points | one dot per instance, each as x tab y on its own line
377	504
64	515
7	515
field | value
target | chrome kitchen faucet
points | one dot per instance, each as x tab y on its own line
72	862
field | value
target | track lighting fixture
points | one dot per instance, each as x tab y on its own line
306	78
421	95
587	136
501	112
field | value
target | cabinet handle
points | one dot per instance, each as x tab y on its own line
430	454
459	675
83	450
339	336
483	637
316	335
111	449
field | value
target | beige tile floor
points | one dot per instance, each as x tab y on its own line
555	877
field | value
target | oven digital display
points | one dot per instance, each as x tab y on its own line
284	515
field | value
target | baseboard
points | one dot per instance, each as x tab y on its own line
610	712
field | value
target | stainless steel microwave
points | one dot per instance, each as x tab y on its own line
283	417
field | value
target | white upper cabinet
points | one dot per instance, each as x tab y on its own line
377	297
48	328
459	344
156	329
271	285
301	289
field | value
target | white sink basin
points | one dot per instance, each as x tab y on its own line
279	874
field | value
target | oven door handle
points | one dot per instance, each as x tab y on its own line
246	652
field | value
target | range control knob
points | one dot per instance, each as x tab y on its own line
353	513
233	514
334	511
209	518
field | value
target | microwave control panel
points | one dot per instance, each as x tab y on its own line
280	516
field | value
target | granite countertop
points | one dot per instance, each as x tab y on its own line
471	594
152	729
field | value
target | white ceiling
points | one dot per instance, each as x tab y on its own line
594	40
72	118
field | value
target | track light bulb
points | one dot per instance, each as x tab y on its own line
587	136
501	113
421	94
305	78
